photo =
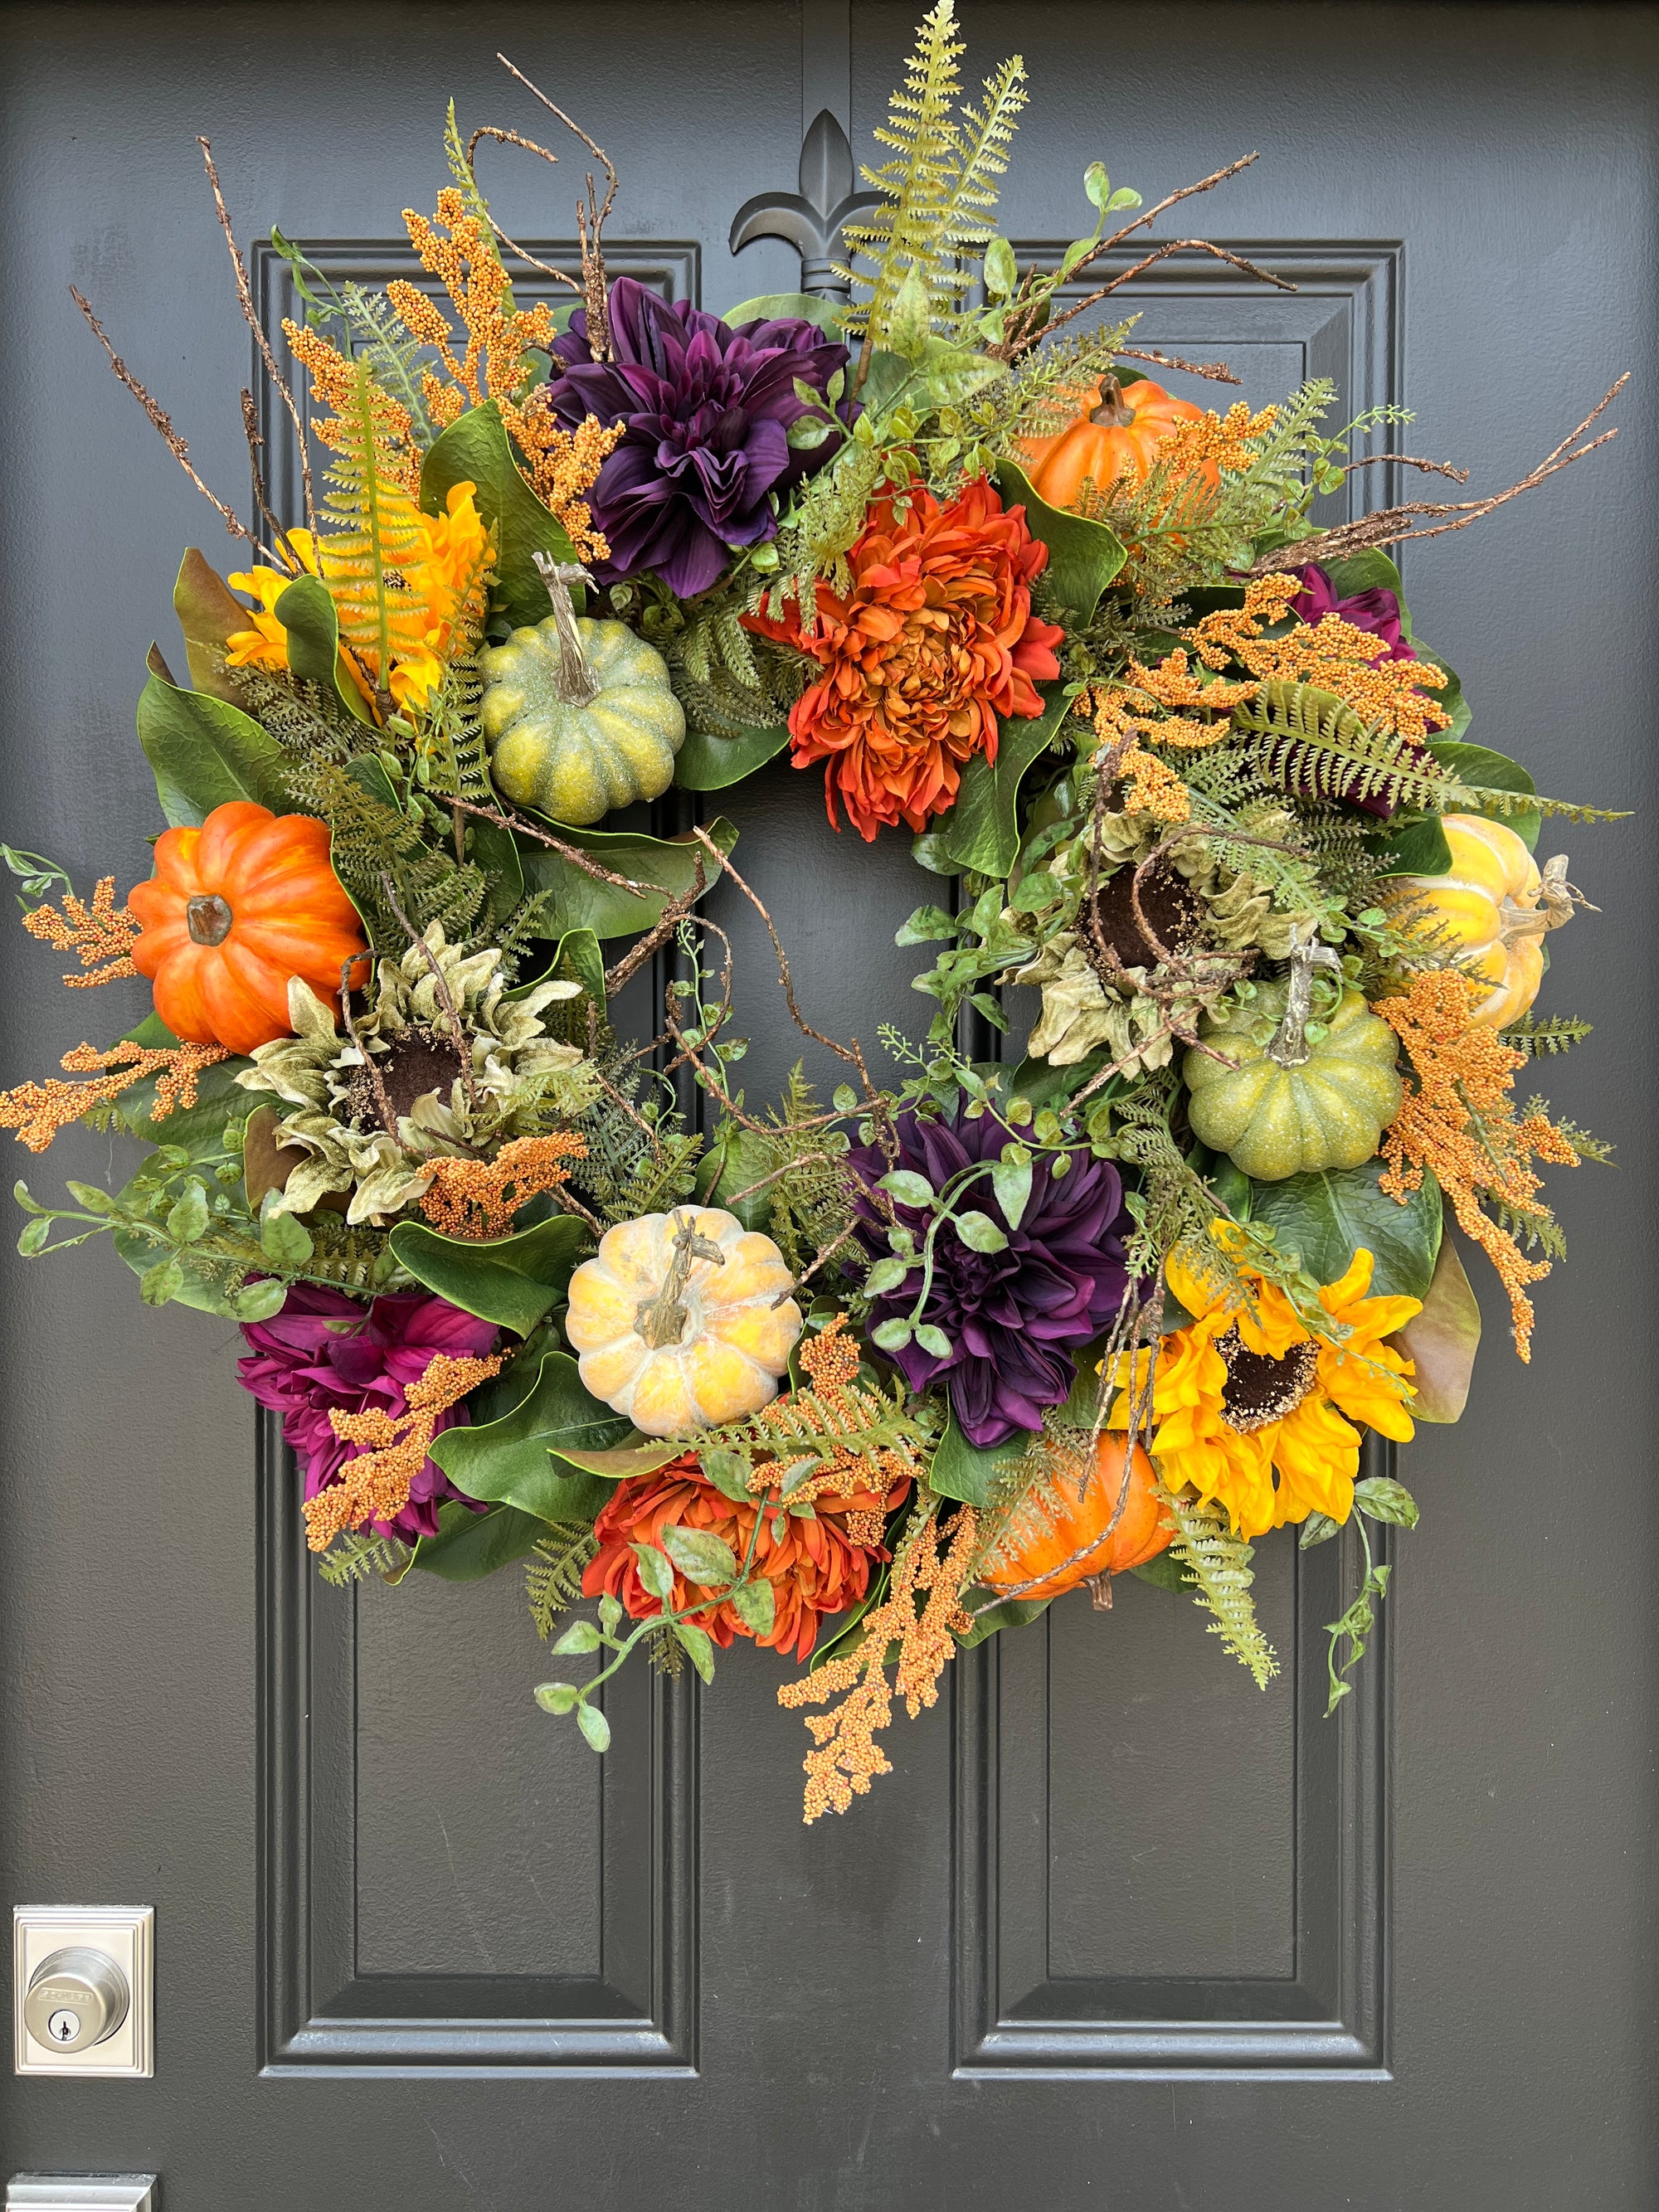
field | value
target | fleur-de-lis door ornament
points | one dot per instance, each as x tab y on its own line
813	219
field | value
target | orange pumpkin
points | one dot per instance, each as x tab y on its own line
1116	435
234	911
1072	1538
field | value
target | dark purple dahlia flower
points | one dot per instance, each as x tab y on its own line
708	410
325	1350
1009	1315
1376	611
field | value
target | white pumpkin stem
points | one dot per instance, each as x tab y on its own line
1558	895
662	1320
574	682
1288	1046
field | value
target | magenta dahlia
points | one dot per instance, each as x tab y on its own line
325	1351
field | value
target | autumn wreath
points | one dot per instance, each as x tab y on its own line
871	1377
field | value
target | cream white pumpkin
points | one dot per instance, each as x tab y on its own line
677	1324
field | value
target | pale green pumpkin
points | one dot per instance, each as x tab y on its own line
578	758
1328	1109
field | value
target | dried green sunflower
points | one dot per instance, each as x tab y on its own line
376	1115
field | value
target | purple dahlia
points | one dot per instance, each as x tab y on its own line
1009	1315
708	410
1376	612
325	1351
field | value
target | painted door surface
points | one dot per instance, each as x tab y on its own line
1119	1931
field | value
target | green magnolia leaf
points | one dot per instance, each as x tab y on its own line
979	1232
205	752
1480	765
736	1159
1330	1216
557	1696
757	1605
1449	697
1380	1499
1012	1613
470	1546
710	763
1370	571
701	1557
589	1719
512	1281
1416	848
666	866
1083	555
209	613
306	612
476	449
699	1648
655	1571
617	1465
506	1461
962	1470
1165	1572
788	307
981	831
1442	1341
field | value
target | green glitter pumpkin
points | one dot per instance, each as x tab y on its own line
1293	1105
580	716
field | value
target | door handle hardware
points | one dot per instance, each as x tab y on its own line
82	1991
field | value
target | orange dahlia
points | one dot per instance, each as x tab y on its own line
935	640
817	1565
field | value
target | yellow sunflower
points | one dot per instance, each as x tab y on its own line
1243	1396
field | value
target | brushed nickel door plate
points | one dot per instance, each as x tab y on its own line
83	1997
93	2192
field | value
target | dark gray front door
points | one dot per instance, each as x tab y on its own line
1119	1931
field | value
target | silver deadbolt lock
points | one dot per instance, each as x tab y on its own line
75	1998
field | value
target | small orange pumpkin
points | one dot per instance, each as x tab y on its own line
1116	435
234	911
1069	1540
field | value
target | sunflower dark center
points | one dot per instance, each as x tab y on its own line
420	1061
1168	902
1259	1389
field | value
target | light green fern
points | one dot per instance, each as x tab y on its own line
1219	1564
939	189
553	1577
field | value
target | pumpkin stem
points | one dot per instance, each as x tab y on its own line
662	1320
1288	1046
1099	1587
1114	413
208	918
575	682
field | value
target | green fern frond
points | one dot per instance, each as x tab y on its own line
939	187
1533	1233
394	357
1310	741
1219	1564
375	530
553	1577
353	1557
1559	1033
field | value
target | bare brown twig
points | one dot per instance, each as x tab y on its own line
244	298
590	222
530	146
1390	526
163	423
1217	371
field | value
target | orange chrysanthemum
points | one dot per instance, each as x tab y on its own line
813	1563
934	641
